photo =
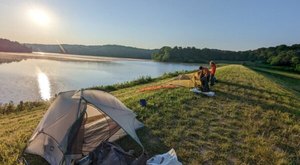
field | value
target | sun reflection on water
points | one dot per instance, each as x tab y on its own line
44	85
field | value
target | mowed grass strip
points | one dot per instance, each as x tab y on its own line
251	120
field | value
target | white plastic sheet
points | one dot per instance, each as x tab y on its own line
210	94
169	158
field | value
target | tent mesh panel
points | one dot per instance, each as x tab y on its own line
95	128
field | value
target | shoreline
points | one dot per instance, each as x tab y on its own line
8	57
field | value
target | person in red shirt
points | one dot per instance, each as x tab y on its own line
204	75
213	68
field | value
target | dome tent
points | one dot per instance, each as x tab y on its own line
77	122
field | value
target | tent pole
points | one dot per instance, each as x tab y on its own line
79	104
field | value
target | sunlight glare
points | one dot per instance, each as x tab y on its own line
39	16
44	85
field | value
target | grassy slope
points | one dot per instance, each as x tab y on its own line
251	120
288	79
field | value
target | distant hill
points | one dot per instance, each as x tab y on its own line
96	50
12	46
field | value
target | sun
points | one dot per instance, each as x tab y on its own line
39	16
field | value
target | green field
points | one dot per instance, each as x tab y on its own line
253	119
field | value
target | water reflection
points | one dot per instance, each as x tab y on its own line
35	79
44	85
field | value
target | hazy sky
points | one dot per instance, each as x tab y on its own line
222	24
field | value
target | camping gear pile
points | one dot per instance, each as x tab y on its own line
108	153
79	123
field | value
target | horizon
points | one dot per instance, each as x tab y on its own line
161	47
234	25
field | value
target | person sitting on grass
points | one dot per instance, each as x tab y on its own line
204	75
213	68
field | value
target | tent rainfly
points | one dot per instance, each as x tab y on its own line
77	122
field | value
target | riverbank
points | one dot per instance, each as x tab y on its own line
251	120
7	57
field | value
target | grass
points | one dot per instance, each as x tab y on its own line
271	67
287	79
252	120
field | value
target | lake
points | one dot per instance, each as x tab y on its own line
39	79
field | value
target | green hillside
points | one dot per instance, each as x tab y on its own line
253	119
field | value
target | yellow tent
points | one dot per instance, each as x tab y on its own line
186	80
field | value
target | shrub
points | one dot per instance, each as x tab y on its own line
297	68
295	60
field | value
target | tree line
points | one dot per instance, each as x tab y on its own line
10	107
281	55
96	50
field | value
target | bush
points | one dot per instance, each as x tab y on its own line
297	68
274	60
295	61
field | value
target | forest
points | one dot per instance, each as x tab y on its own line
96	50
282	55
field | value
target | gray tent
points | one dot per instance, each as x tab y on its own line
77	122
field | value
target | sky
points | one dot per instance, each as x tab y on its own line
220	24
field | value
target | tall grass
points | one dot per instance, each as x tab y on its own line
10	107
139	81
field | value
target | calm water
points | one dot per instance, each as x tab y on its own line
36	79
